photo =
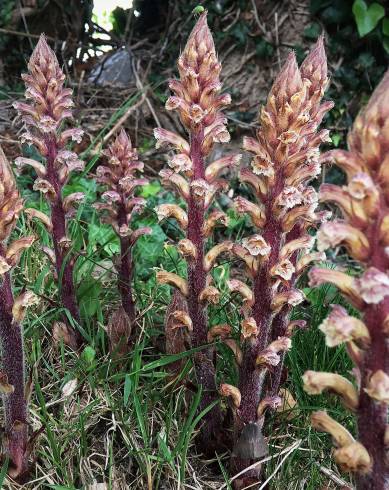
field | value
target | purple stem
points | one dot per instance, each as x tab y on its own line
15	404
64	265
372	416
251	379
204	367
125	268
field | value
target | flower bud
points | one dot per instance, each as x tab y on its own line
210	294
340	327
211	257
172	211
164	277
249	328
21	303
187	249
335	233
231	391
378	387
316	382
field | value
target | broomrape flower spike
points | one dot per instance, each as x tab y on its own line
285	158
119	206
48	105
198	101
12	376
364	203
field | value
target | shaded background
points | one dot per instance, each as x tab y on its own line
252	37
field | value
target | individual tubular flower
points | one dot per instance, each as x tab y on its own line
285	159
119	206
48	105
364	203
198	101
12	310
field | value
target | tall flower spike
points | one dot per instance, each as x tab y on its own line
285	158
365	206
119	206
12	376
48	106
198	101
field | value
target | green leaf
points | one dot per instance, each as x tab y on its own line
385	26
103	235
3	472
264	49
88	354
312	31
150	189
336	137
366	17
88	294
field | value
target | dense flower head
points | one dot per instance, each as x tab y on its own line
119	177
369	136
285	158
50	103
197	94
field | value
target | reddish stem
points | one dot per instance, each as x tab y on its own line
64	264
125	268
204	367
15	404
372	416
251	379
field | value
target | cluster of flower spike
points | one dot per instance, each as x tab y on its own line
286	159
119	207
363	230
199	102
12	311
49	105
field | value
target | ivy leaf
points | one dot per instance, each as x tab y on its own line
366	17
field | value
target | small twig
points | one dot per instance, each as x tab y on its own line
259	23
277	41
286	451
23	34
334	477
141	87
234	21
292	448
25	24
124	117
